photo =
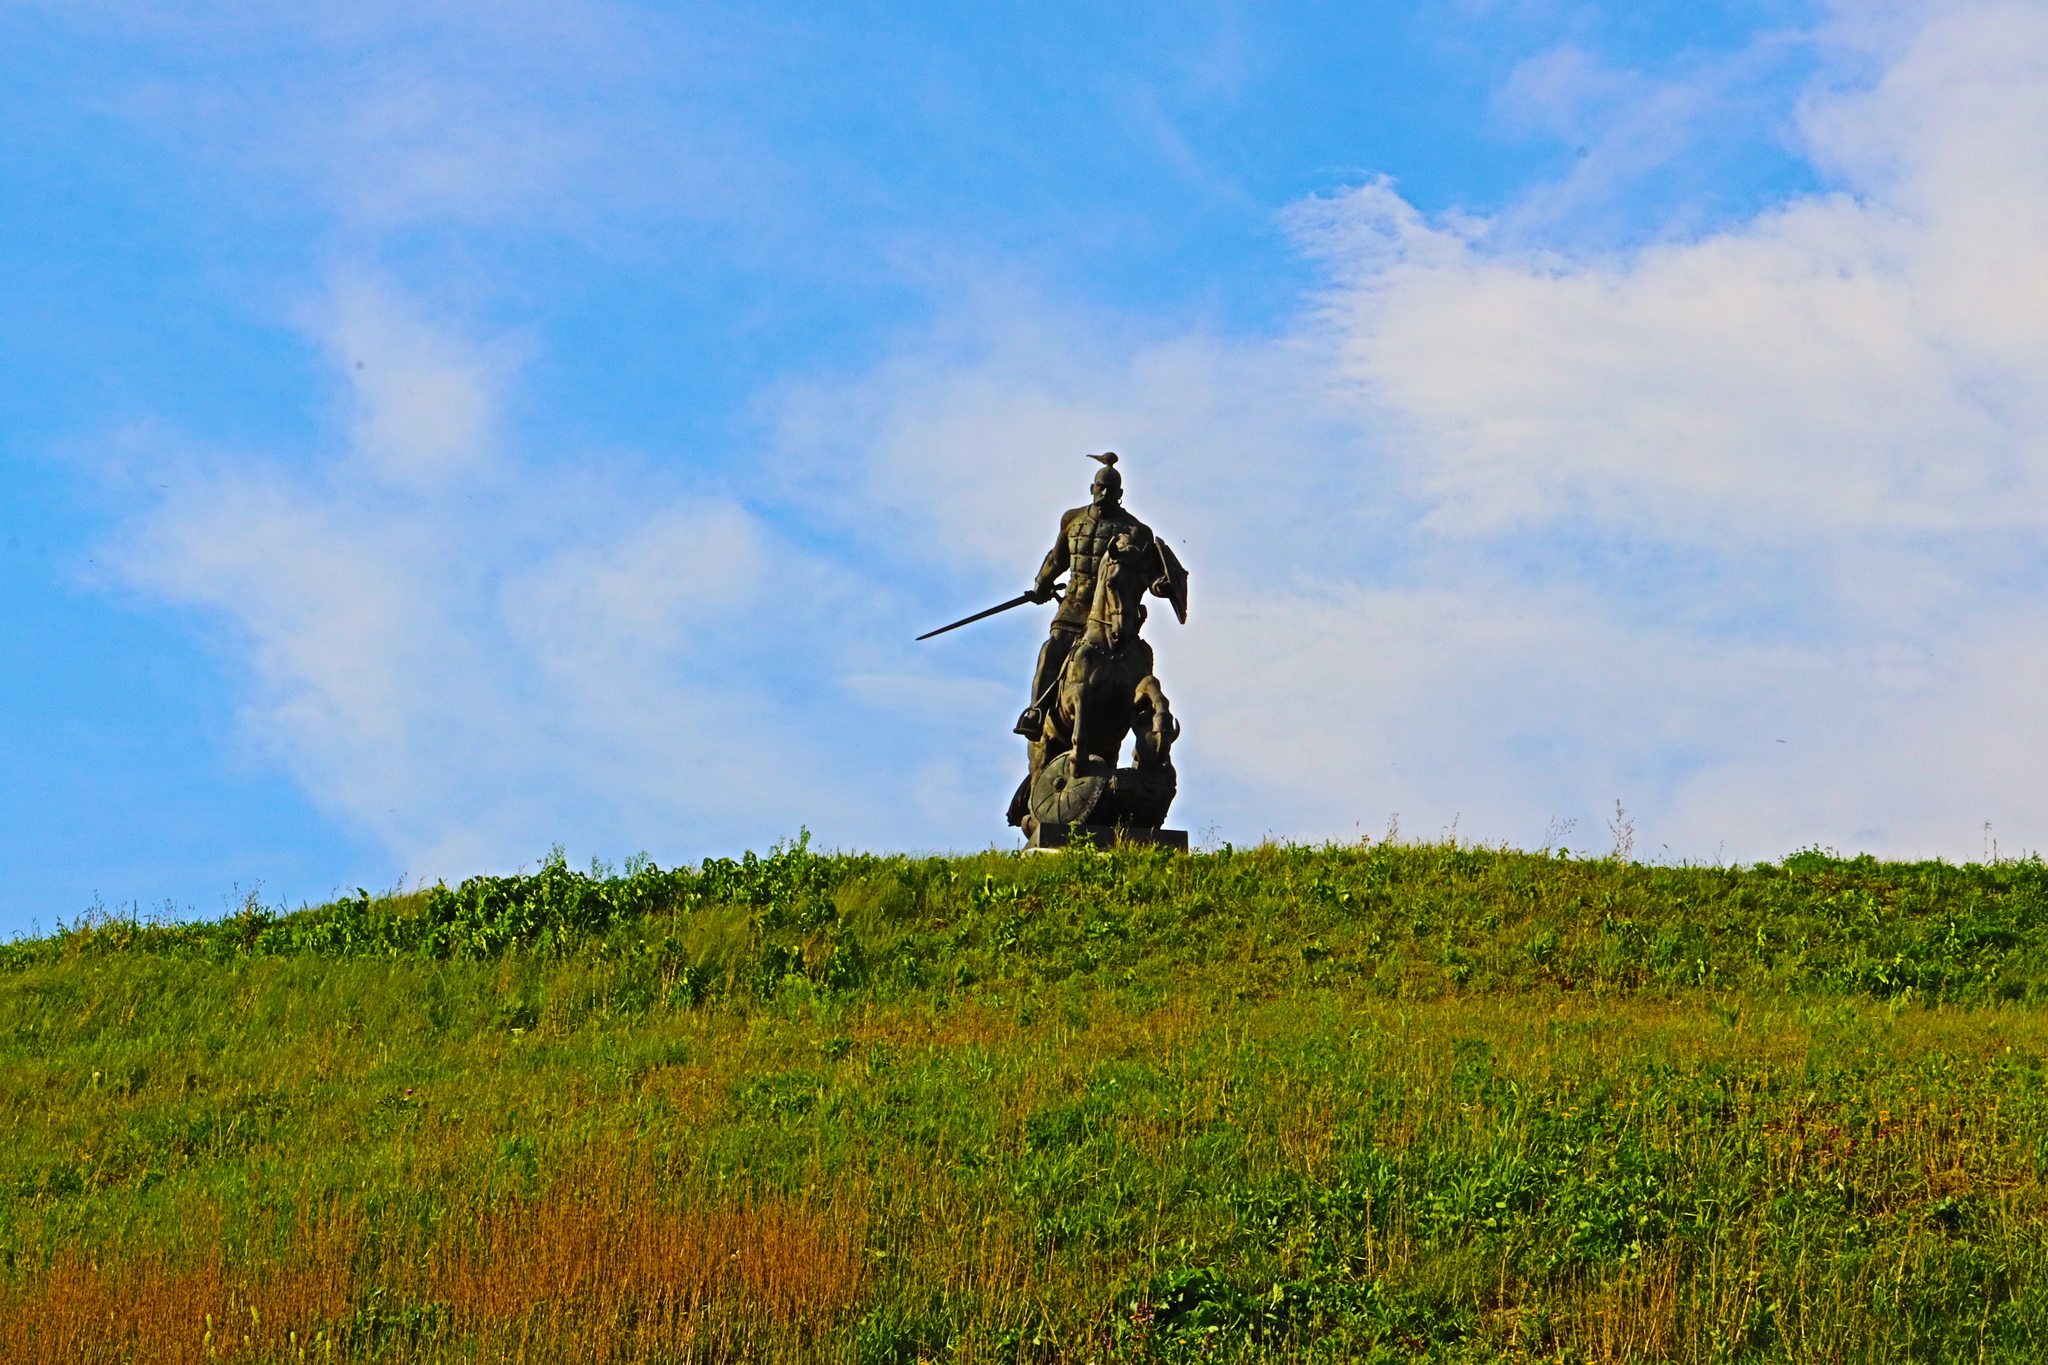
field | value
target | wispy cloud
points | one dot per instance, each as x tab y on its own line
385	119
469	667
1741	527
424	402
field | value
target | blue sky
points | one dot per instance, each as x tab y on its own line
433	431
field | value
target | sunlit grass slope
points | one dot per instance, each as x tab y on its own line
1371	1102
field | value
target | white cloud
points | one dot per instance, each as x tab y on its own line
1744	529
472	668
1559	92
423	400
583	117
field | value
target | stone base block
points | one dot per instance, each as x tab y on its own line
1103	836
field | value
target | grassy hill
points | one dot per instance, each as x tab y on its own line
1382	1101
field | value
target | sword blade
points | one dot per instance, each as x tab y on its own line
1019	600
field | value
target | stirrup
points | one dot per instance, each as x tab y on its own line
1031	724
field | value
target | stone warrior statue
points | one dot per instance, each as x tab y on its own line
1094	685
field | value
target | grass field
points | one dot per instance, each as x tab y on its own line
1374	1102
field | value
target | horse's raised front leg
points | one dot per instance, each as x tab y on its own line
1156	728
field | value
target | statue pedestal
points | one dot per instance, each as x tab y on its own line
1104	836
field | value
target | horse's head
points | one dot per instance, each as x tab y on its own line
1118	612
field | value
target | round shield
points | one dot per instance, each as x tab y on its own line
1059	797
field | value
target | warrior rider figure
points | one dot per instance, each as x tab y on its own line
1085	534
1094	686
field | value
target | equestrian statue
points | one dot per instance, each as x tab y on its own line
1094	686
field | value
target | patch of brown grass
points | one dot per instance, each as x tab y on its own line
618	1280
191	1308
598	1267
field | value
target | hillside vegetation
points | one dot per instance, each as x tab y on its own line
1372	1102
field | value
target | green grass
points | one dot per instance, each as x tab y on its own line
1368	1102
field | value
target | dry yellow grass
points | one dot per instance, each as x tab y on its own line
601	1266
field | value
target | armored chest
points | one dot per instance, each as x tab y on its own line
1088	535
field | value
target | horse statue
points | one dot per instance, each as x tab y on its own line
1106	692
1093	687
